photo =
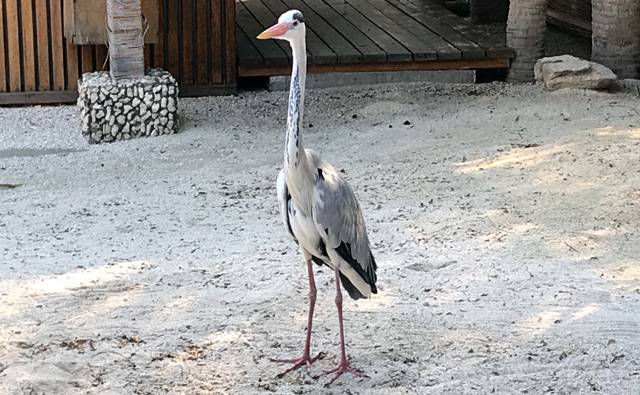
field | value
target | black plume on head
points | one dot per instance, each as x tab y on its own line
298	17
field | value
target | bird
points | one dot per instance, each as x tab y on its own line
318	207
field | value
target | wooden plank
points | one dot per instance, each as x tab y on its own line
433	16
102	57
439	48
248	54
44	54
173	40
419	49
455	64
159	49
493	45
3	69
72	65
345	51
13	46
84	24
266	18
57	50
395	51
219	16
68	96
272	54
229	69
86	60
187	43
28	46
149	56
371	53
47	97
317	51
208	90
202	41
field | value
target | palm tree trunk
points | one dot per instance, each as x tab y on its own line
526	28
126	46
616	36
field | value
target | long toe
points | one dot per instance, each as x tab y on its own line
305	360
344	367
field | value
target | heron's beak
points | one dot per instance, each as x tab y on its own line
274	31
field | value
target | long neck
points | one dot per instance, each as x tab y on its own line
294	157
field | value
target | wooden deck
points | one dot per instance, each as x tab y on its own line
366	35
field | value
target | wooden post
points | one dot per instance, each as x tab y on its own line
126	46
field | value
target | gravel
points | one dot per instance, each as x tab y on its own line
504	221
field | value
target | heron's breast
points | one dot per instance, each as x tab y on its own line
304	229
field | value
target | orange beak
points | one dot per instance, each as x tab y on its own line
274	31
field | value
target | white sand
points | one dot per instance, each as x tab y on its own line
504	220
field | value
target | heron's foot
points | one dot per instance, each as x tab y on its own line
304	360
344	367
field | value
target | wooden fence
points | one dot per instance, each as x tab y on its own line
39	65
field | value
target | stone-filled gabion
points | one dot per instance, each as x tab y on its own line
120	110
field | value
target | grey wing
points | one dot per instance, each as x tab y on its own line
341	224
283	201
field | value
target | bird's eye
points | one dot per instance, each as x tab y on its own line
295	23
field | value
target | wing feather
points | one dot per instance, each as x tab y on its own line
283	201
340	222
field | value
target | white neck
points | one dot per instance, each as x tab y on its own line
294	152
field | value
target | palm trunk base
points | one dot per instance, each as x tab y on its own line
616	36
526	27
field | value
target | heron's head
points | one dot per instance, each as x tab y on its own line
290	27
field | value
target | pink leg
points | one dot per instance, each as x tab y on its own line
343	366
306	358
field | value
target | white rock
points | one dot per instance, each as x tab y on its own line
122	119
567	71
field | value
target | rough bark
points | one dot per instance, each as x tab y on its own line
126	46
616	36
526	27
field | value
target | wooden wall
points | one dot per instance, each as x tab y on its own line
39	65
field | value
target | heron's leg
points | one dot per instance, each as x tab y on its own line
343	366
306	358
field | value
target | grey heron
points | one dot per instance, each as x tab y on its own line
319	209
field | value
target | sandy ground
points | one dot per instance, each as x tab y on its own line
504	220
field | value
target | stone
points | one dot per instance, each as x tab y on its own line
113	111
568	71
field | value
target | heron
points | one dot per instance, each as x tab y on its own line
319	209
